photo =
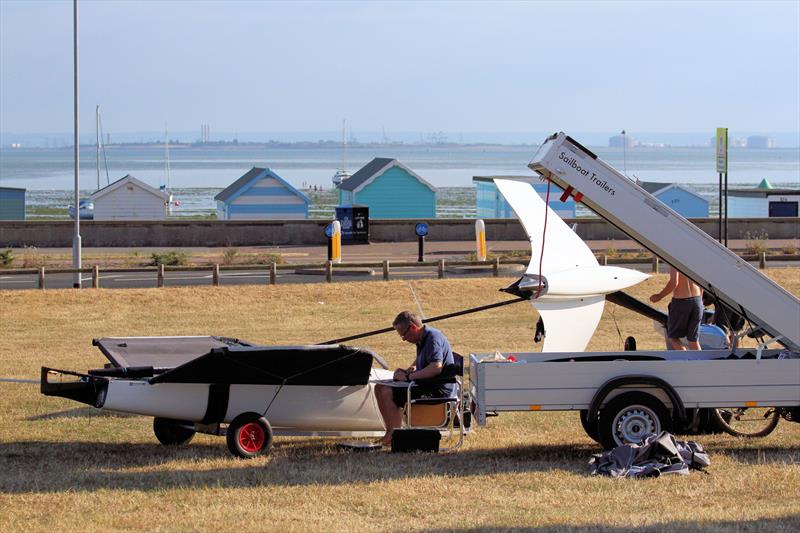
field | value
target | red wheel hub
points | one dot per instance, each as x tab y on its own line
252	437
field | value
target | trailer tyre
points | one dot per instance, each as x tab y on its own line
589	427
171	432
630	417
249	435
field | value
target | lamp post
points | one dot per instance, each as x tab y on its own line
624	158
76	237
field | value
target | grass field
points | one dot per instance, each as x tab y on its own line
67	467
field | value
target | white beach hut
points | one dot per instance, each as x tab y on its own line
130	199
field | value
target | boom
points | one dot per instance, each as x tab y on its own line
667	234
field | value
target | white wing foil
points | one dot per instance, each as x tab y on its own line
573	302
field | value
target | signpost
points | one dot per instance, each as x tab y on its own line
421	229
722	168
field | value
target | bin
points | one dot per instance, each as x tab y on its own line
355	223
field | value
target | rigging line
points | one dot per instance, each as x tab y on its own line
544	234
428	320
105	159
419	306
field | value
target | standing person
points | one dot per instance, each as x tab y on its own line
433	354
684	311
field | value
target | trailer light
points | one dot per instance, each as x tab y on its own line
535	407
750	404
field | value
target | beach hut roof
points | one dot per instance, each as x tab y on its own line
655	187
250	178
129	179
765	184
373	170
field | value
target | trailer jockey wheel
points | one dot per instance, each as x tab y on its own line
173	432
248	435
630	417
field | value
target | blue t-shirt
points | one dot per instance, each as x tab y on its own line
434	346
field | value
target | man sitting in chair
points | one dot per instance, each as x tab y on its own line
433	355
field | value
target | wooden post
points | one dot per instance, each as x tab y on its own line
329	271
215	275
160	278
273	273
96	277
762	260
655	264
41	277
441	268
496	267
386	270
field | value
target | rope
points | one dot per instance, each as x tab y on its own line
544	234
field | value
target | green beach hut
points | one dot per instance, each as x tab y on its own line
390	190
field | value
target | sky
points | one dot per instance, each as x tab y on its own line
403	66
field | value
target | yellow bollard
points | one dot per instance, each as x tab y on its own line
336	255
480	240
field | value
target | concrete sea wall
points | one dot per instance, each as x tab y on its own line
178	233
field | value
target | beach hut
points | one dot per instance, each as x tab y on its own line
130	199
763	201
683	201
390	190
261	194
12	203
489	203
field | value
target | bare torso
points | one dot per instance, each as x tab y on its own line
685	288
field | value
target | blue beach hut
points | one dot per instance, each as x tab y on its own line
489	203
12	203
683	201
261	194
390	190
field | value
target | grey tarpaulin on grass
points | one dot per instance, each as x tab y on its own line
658	454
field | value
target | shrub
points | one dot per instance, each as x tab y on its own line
7	258
171	258
229	256
267	258
30	259
756	242
789	249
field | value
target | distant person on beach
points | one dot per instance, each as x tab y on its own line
685	310
433	354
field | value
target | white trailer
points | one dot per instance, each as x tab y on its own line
626	395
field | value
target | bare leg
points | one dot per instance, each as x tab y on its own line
694	345
391	414
675	344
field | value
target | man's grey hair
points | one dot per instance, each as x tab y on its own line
406	318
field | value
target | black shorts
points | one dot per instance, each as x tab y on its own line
684	318
400	394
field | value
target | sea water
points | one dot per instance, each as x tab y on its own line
198	173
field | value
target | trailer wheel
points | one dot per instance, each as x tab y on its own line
248	435
589	427
630	417
746	422
171	432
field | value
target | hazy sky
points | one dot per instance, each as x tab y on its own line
409	66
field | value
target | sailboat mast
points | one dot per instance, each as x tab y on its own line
344	146
166	157
97	144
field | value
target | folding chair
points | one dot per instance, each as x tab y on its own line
439	414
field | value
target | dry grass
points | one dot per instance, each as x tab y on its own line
68	467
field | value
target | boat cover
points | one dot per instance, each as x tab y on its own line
336	365
159	352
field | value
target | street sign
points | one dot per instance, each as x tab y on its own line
722	150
